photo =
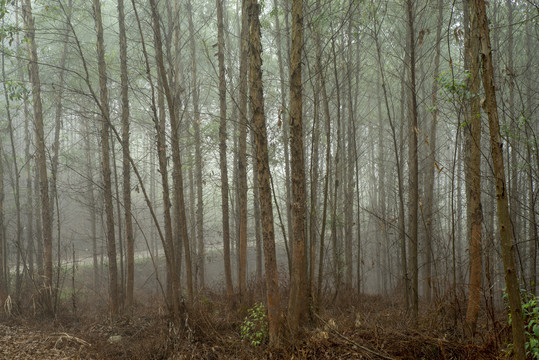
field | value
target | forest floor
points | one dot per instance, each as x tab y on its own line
371	327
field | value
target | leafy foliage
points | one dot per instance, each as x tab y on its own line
451	85
530	312
255	326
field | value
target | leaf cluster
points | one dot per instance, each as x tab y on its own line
530	313
255	325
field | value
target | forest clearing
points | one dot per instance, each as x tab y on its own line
275	179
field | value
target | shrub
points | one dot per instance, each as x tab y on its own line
255	325
530	312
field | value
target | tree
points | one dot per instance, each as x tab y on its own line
198	151
222	147
179	205
297	305
504	220
130	240
431	168
105	162
242	147
261	150
474	171
41	159
412	158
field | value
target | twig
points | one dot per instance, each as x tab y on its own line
383	356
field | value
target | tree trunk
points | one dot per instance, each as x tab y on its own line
514	188
126	167
105	153
41	160
474	171
283	118
14	183
313	213
412	161
257	214
176	159
222	148
198	149
92	206
431	168
297	306
242	157
400	182
261	143
327	116
504	221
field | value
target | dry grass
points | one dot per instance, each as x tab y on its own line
370	327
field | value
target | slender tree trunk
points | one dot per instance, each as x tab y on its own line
92	206
120	247
474	171
261	143
327	116
40	255
349	191
400	182
29	192
41	160
337	181
257	214
242	157
283	117
105	154
181	228
504	221
532	198
297	306
198	149
514	188
57	127
126	168
412	160
222	148
15	182
431	168
29	208
176	159
313	221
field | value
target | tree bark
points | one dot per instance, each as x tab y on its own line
46	219
179	201
504	221
242	157
297	306
474	171
412	161
283	118
198	149
105	154
126	167
261	143
222	148
431	168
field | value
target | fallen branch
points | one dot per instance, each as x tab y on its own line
383	356
66	336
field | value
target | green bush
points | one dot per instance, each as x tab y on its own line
530	312
255	325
